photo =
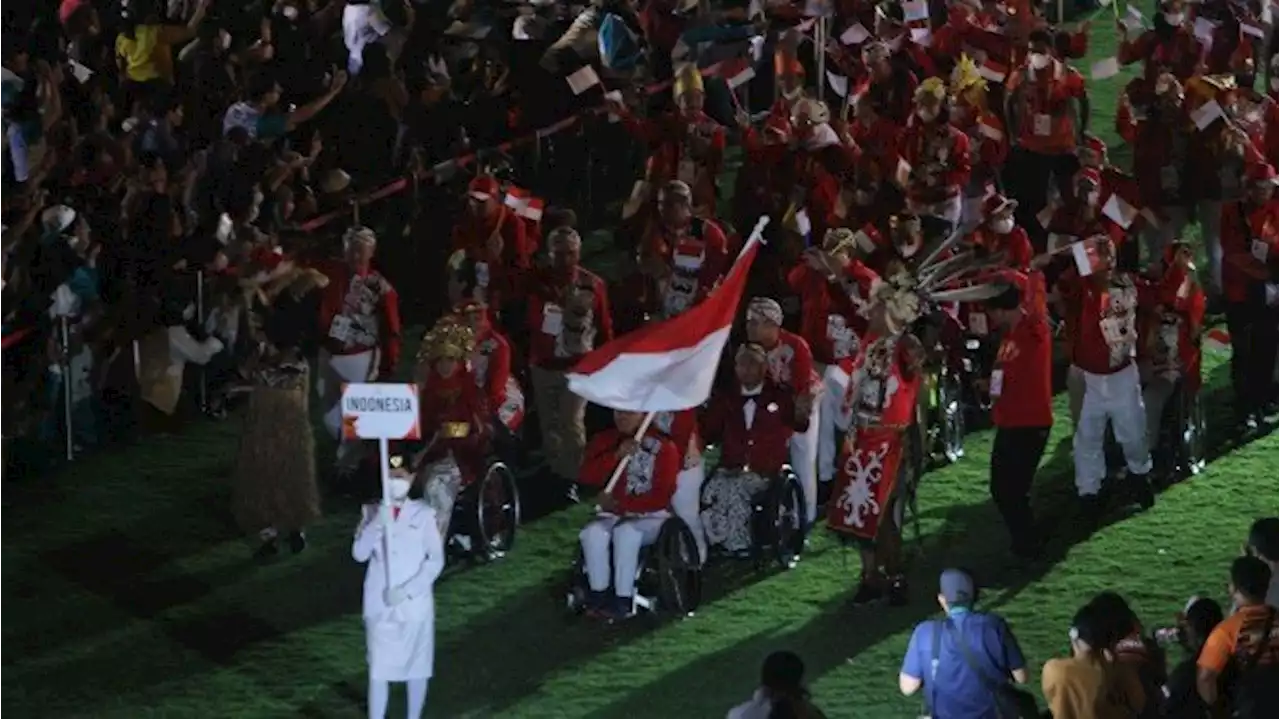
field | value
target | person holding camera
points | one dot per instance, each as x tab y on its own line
1090	684
1236	670
1195	623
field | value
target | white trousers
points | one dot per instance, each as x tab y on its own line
804	460
687	503
627	535
834	383
1116	398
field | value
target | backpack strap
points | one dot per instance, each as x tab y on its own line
935	651
1262	645
993	685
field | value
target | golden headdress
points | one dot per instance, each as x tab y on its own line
688	79
448	339
932	87
967	84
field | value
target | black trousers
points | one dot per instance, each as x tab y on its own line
1255	333
1026	178
1014	459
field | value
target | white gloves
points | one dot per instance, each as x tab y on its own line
395	595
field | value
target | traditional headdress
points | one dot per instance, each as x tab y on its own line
358	235
1167	83
839	240
448	339
940	276
764	308
688	79
967	84
932	88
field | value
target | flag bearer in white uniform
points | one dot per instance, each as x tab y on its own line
401	544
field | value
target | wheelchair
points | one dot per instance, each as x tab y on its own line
668	574
944	421
1181	447
485	516
912	472
778	522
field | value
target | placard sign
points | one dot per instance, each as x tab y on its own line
374	410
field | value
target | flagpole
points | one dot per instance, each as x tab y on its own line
622	465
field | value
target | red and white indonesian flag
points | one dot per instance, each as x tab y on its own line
668	365
524	203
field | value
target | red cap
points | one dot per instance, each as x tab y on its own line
1091	174
1260	172
484	187
1094	143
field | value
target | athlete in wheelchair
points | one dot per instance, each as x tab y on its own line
635	554
1170	368
754	502
474	495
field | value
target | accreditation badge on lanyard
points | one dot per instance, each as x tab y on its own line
552	319
688	257
1261	250
1041	124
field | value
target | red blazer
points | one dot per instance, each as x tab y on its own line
820	300
649	479
491	363
544	288
456	399
764	447
378	310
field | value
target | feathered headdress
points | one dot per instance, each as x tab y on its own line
941	275
448	339
967	84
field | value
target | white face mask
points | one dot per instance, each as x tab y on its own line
1038	60
1174	18
399	488
1002	226
927	114
290	12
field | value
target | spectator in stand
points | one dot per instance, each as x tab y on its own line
1262	544
1090	684
781	692
144	53
1133	650
1237	666
958	660
1182	701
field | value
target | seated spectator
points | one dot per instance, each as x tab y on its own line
1090	684
960	659
781	693
1262	544
1237	667
1132	649
1194	625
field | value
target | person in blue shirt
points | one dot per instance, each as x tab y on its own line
953	690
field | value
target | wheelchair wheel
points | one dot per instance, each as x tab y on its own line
575	598
1194	440
949	414
497	510
678	566
910	472
785	515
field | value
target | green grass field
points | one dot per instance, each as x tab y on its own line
128	593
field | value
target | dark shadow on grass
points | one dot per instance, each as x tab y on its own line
971	536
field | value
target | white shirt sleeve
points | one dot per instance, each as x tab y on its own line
183	347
